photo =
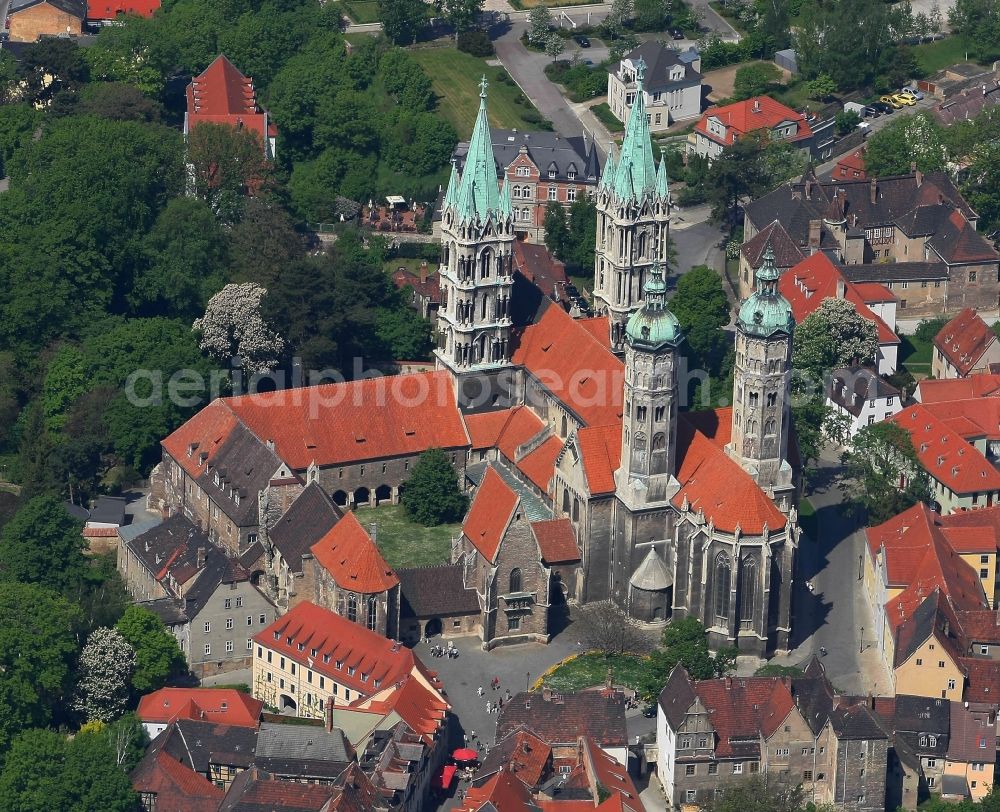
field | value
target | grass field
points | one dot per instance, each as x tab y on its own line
933	56
607	118
361	11
456	78
915	356
588	670
404	543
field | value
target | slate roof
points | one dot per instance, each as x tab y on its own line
109	510
302	751
198	744
964	340
435	591
894	271
546	150
556	541
256	791
244	465
78	8
178	788
221	705
786	252
957	242
659	61
348	553
968	104
564	717
310	517
677	696
968	729
852	387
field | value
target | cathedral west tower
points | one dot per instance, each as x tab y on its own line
633	213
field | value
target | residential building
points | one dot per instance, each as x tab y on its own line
216	752
30	20
306	753
206	599
920	729
937	390
223	95
424	286
915	234
966	345
971	756
106	12
797	732
967	103
851	166
560	719
862	397
165	785
813	280
672	85
224	706
540	168
311	657
720	127
256	790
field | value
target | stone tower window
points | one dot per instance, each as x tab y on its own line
352	608
640	411
723	582
372	613
772	398
515	579
657	416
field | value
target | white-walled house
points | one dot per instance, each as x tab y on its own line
862	396
671	83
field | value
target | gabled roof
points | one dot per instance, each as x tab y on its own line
786	252
957	242
521	753
598	327
309	518
335	639
201	744
419	706
178	788
712	482
110	9
358	420
556	541
945	455
199	439
546	150
543	270
964	340
505	429
564	717
852	387
435	591
982	680
303	751
601	450
922	618
677	696
742	710
750	115
221	705
490	514
256	791
578	369
348	553
502	792
539	463
980	385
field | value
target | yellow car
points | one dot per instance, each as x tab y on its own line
907	94
891	101
903	98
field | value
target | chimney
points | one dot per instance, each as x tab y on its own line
547	694
808	188
423	271
815	227
871	700
756	105
270	445
919	177
874	191
201	558
373	531
841	288
328	716
913	167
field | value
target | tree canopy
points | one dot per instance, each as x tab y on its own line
157	656
685	643
432	495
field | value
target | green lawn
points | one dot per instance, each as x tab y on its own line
361	11
915	356
607	118
405	543
934	56
456	78
523	4
588	670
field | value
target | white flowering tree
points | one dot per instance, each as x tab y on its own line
106	665
233	326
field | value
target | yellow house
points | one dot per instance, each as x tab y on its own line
926	661
972	748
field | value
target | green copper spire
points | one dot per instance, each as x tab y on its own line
608	175
653	326
478	194
449	195
662	187
766	311
505	206
635	176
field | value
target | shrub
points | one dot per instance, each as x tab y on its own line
477	43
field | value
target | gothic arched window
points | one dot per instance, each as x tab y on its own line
659	442
748	588
563	432
576	509
484	263
770	427
515	579
566	501
352	608
723	583
372	613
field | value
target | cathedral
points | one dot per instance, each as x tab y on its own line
675	514
588	481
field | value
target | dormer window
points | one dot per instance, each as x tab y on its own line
326	658
571	173
552	174
236	497
216	478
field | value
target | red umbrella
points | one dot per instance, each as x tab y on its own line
465	754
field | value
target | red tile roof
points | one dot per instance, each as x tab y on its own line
574	366
503	791
420	706
744	708
873	292
556	541
225	706
598	327
194	443
337	640
506	430
966	540
110	9
359	420
490	513
757	113
972	417
539	464
223	95
816	278
611	775
712	482
348	553
964	339
178	788
601	450
945	455
983	680
426	284
981	625
543	270
850	164
980	385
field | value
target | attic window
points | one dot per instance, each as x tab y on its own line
359	438
409	431
312	652
277	635
326	658
302	646
224	705
545	347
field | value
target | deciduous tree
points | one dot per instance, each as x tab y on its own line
753	80
879	458
227	166
106	665
233	326
539	24
401	19
754	794
43	545
432	496
833	335
606	628
157	656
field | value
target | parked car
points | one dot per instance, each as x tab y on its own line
904	99
912	91
582	41
650	711
883	107
677	34
871	112
891	101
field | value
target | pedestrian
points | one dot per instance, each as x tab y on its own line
472	734
481	691
500	703
488	706
508	695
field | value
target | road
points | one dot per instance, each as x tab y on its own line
835	615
